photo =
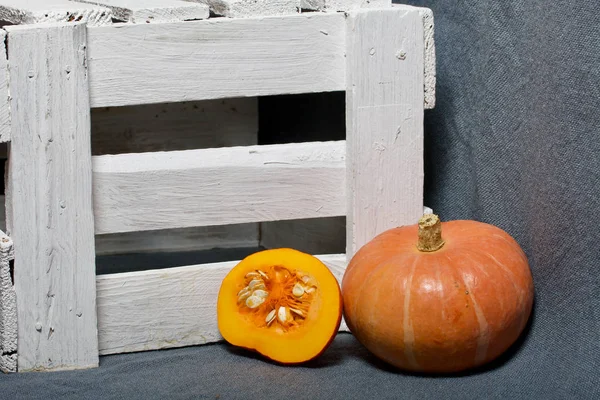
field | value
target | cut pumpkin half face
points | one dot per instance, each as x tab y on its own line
282	303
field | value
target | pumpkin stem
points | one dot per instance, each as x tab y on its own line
430	233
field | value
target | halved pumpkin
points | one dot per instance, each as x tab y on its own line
282	303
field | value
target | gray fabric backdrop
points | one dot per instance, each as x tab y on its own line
513	141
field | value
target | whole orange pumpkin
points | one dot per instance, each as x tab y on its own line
429	302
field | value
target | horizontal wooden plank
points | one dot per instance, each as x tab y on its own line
216	58
342	5
135	192
250	8
20	12
171	240
149	11
167	308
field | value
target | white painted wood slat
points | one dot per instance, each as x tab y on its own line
4	103
51	197
384	121
167	308
48	11
250	8
152	11
219	186
343	5
430	67
429	55
216	58
172	240
8	308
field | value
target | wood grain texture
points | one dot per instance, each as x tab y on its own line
250	8
51	196
216	58
8	362
134	192
8	308
175	126
20	12
430	67
343	5
152	11
385	122
166	308
4	99
429	56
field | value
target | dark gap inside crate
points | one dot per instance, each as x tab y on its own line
3	159
174	126
302	118
219	123
132	262
11	269
140	251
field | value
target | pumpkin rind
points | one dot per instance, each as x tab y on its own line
299	344
447	310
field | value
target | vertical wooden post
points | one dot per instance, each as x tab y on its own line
384	116
4	111
8	308
50	176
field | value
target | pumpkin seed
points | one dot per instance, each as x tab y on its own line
270	317
255	282
244	291
265	276
297	312
283	315
244	296
298	290
252	275
254	301
263	294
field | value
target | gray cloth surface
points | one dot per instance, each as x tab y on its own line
345	371
513	141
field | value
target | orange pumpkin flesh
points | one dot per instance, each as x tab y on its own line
282	303
451	301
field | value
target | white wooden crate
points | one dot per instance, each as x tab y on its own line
59	195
